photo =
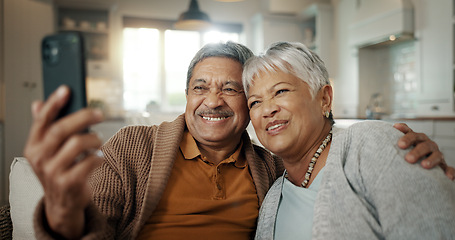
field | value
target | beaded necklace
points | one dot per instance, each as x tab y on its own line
314	159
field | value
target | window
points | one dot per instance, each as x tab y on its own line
155	63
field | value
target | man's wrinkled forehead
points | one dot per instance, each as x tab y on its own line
224	83
217	68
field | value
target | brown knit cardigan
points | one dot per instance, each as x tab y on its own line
138	163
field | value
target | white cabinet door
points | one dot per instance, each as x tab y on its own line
25	23
445	138
434	31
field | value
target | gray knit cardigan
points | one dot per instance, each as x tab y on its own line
368	191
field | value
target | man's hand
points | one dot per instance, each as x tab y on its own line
424	148
63	156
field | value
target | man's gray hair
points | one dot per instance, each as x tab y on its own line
232	50
290	57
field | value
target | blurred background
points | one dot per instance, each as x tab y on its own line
391	59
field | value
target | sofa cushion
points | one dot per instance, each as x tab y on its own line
25	192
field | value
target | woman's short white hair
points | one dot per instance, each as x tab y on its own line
290	57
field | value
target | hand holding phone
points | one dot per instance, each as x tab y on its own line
62	156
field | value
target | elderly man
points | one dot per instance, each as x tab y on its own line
198	177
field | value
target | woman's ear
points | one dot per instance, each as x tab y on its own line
326	98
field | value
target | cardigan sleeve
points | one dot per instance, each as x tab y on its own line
115	182
94	227
407	200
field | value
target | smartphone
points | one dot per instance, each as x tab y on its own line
63	62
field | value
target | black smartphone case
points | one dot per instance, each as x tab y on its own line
63	62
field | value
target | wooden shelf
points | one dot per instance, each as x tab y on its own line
94	26
83	30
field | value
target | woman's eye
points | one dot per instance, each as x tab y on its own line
281	91
253	103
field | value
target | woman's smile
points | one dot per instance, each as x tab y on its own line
277	126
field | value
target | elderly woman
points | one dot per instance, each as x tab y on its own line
339	183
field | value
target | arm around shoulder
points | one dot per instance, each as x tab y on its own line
408	201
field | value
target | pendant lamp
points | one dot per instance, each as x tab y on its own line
193	19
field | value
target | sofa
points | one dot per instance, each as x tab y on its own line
6	225
16	219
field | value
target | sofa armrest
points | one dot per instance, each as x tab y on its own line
25	193
6	225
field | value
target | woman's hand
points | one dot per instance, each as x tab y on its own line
62	155
424	148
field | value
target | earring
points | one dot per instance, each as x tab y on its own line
327	114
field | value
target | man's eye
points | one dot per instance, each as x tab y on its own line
199	89
229	90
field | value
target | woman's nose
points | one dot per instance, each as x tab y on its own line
269	108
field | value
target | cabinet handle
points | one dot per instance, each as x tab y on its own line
435	108
30	85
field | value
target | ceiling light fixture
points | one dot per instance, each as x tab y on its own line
193	19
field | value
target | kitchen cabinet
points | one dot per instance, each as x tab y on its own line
94	26
269	28
25	23
444	136
317	22
435	31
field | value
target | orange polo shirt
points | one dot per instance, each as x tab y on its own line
203	200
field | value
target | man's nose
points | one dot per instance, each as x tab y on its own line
214	99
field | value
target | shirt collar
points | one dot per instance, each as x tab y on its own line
191	151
